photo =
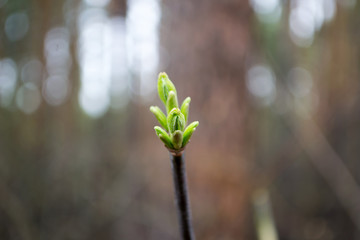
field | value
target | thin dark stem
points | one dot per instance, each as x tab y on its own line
181	197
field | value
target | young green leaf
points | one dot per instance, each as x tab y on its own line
188	132
163	136
185	108
177	139
160	116
171	102
175	120
164	87
159	131
166	141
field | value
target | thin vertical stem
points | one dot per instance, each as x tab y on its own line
181	197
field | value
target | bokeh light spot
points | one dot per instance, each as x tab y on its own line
57	51
28	98
329	9
95	57
264	6
97	3
299	82
16	26
307	17
142	38
261	84
94	100
302	27
55	90
32	71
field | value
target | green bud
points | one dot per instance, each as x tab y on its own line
177	139
160	116
164	87
175	120
185	108
173	134
172	101
163	136
188	132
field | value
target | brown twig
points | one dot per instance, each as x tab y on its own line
181	196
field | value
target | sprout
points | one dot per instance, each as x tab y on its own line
176	135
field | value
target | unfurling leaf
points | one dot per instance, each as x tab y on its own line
188	132
164	87
162	134
177	139
171	102
160	116
175	120
185	108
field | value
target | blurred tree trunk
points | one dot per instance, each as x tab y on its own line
205	45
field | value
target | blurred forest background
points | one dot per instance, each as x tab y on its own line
274	84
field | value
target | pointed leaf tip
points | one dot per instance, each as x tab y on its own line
164	87
171	102
188	132
185	108
160	116
164	137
